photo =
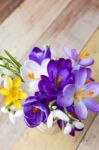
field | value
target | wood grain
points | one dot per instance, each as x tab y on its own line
57	141
91	139
72	28
7	7
24	25
58	24
28	23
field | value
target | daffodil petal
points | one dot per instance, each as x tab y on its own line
10	82
17	104
8	100
17	82
4	91
22	95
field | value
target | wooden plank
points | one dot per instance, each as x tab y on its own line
19	33
72	28
7	7
91	139
29	139
31	19
27	24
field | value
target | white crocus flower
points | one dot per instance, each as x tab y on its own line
31	72
12	113
69	127
56	114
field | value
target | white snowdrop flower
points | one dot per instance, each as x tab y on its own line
69	127
79	125
56	114
13	114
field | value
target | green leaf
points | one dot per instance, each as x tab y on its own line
12	58
10	69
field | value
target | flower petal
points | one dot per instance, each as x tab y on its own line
80	78
66	99
44	67
4	91
17	104
17	82
78	125
67	52
61	115
81	110
52	70
91	105
12	118
74	54
50	120
19	113
86	62
22	95
68	129
8	100
92	87
4	110
10	82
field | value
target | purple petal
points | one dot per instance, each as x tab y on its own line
80	78
92	87
81	110
36	49
62	77
52	70
60	124
86	62
74	54
89	72
68	52
47	53
91	105
38	55
66	99
64	63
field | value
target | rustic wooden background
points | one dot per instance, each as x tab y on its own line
71	23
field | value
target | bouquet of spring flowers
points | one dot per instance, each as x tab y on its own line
47	91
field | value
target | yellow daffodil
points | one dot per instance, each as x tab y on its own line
13	94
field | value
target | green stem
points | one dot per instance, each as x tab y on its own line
13	59
69	115
9	61
13	71
51	104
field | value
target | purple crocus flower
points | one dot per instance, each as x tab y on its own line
34	112
80	95
39	55
81	59
59	74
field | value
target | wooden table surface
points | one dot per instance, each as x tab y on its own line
71	23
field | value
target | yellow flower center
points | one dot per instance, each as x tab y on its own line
14	92
84	54
31	75
78	96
